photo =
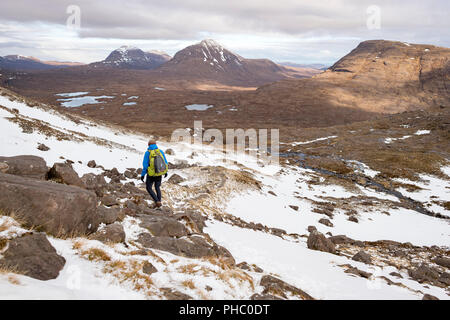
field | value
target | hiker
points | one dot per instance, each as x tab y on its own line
154	166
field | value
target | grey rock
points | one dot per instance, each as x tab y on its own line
170	152
42	147
442	261
172	294
148	268
175	179
191	247
274	285
357	272
109	200
163	226
34	256
64	173
110	233
317	241
25	166
326	222
92	164
363	257
58	209
108	215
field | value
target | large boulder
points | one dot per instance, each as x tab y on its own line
162	226
64	173
57	209
34	256
25	166
110	233
426	273
317	241
363	257
130	174
442	261
190	247
149	268
275	286
342	239
94	182
109	200
175	179
357	272
109	215
172	294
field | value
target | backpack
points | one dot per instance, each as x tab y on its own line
157	165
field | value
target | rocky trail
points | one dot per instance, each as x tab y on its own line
76	222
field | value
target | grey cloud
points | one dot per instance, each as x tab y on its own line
153	22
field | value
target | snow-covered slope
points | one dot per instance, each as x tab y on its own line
277	197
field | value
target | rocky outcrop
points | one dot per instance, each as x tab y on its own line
25	166
34	256
358	272
245	266
176	179
326	222
109	215
64	173
192	220
110	233
162	226
425	273
109	200
317	241
96	183
42	147
191	247
442	261
148	268
363	257
172	294
58	209
92	164
275	286
342	239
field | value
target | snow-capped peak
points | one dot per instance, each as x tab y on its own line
126	48
210	43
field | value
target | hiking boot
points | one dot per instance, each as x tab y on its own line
154	206
158	204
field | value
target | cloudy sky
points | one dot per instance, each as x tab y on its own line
283	30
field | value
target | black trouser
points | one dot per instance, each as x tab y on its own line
149	183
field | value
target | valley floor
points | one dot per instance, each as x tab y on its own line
261	214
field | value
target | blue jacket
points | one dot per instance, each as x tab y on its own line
146	161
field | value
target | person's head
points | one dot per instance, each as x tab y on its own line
151	141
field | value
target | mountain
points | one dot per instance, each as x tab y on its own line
210	60
377	76
23	63
134	58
